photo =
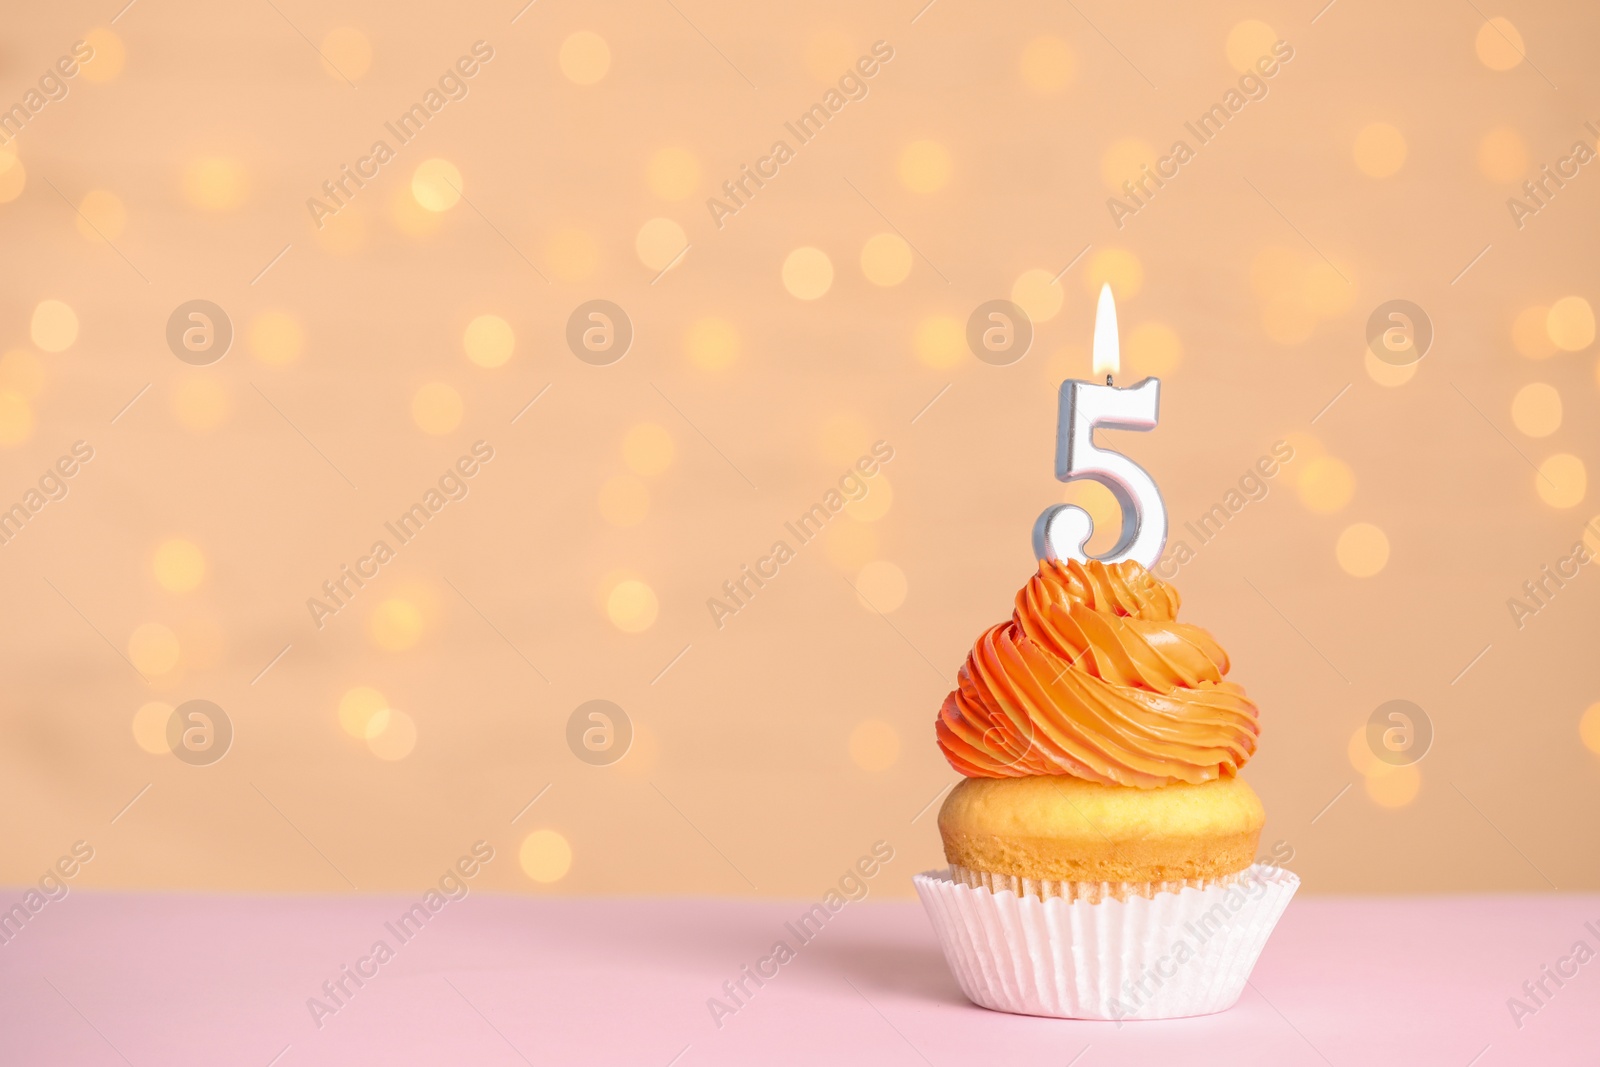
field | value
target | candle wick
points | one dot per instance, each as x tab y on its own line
1108	379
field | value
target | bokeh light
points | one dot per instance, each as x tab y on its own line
1389	786
436	185
659	242
632	606
874	745
153	648
346	53
150	727
1387	374
939	341
16	418
1530	333
711	343
807	273
1047	64
881	586
925	166
1326	484
1380	150
672	173
274	337
109	55
1248	41
1151	349
1118	267
1536	409
585	57
876	504
886	259
391	734
179	565
101	216
437	408
571	254
1499	45
545	856
489	341
1362	550
216	183
357	707
647	449
1570	324
1561	481
13	174
54	326
1589	728
395	624
1123	161
22	373
200	402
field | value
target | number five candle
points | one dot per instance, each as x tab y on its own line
1062	531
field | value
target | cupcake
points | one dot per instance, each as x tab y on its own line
1101	844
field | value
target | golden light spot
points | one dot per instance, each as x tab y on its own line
1104	512
1118	267
405	214
101	216
200	402
1536	409
647	449
1589	728
874	745
1036	294
1562	480
1389	786
1287	320
850	546
881	586
572	255
876	504
150	727
1380	150
13	178
1387	374
1499	44
672	173
939	341
711	343
357	707
807	273
659	242
885	259
644	755
22	373
1305	449
16	419
391	734
436	185
109	55
1047	64
153	648
843	438
1124	161
54	326
489	341
436	408
624	500
346	53
179	565
829	52
1248	41
632	606
1502	157
1360	753
1363	550
344	234
1570	324
1326	291
1151	348
215	183
395	625
274	338
1529	334
1326	484
925	166
585	57
545	856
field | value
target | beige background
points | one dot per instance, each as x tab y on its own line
784	744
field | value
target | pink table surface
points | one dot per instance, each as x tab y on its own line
99	978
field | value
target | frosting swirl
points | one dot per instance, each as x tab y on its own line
1094	677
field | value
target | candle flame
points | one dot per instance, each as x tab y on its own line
1107	350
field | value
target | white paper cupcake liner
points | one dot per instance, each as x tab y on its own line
1165	956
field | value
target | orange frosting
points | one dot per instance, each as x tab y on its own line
1094	677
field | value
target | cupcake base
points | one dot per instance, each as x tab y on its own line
1122	955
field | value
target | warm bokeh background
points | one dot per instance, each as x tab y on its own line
824	316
